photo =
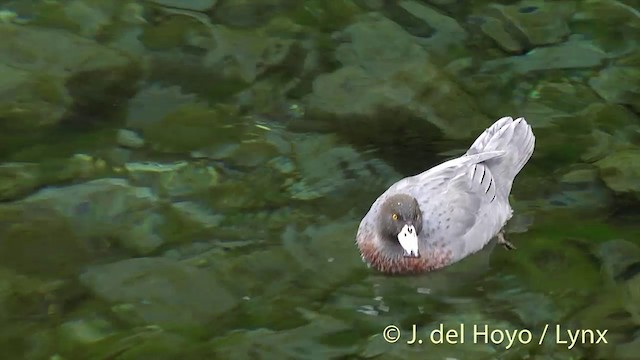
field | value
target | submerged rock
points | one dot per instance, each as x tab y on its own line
388	86
448	36
621	264
178	179
611	24
550	102
323	253
152	103
159	291
575	54
616	303
96	213
621	170
618	13
614	127
229	58
619	85
580	188
196	213
144	342
496	30
540	22
129	139
195	5
18	179
90	17
303	342
85	332
324	167
51	75
38	241
26	297
526	24
246	13
246	55
193	127
43	100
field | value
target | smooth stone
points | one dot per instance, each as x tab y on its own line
386	73
619	85
160	291
541	23
107	208
621	170
49	75
495	29
194	5
570	55
129	139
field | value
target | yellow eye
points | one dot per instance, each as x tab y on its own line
394	216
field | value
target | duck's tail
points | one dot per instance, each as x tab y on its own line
516	139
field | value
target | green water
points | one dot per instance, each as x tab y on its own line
185	181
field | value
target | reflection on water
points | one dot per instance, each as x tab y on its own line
185	179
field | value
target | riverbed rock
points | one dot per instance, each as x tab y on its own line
43	100
621	170
620	259
197	5
178	179
23	296
144	342
548	102
539	22
301	342
615	306
616	32
230	58
388	86
326	168
98	212
496	30
574	54
614	128
525	24
322	254
246	13
193	127
38	241
50	75
129	139
618	12
159	291
619	85
581	189
18	179
153	102
90	17
246	55
448	36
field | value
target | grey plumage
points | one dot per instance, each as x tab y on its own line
464	201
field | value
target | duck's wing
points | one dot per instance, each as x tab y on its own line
452	195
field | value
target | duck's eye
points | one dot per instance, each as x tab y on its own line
394	216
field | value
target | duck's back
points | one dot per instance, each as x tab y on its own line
465	201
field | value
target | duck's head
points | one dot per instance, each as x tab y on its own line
400	223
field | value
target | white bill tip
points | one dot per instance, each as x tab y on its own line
408	239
